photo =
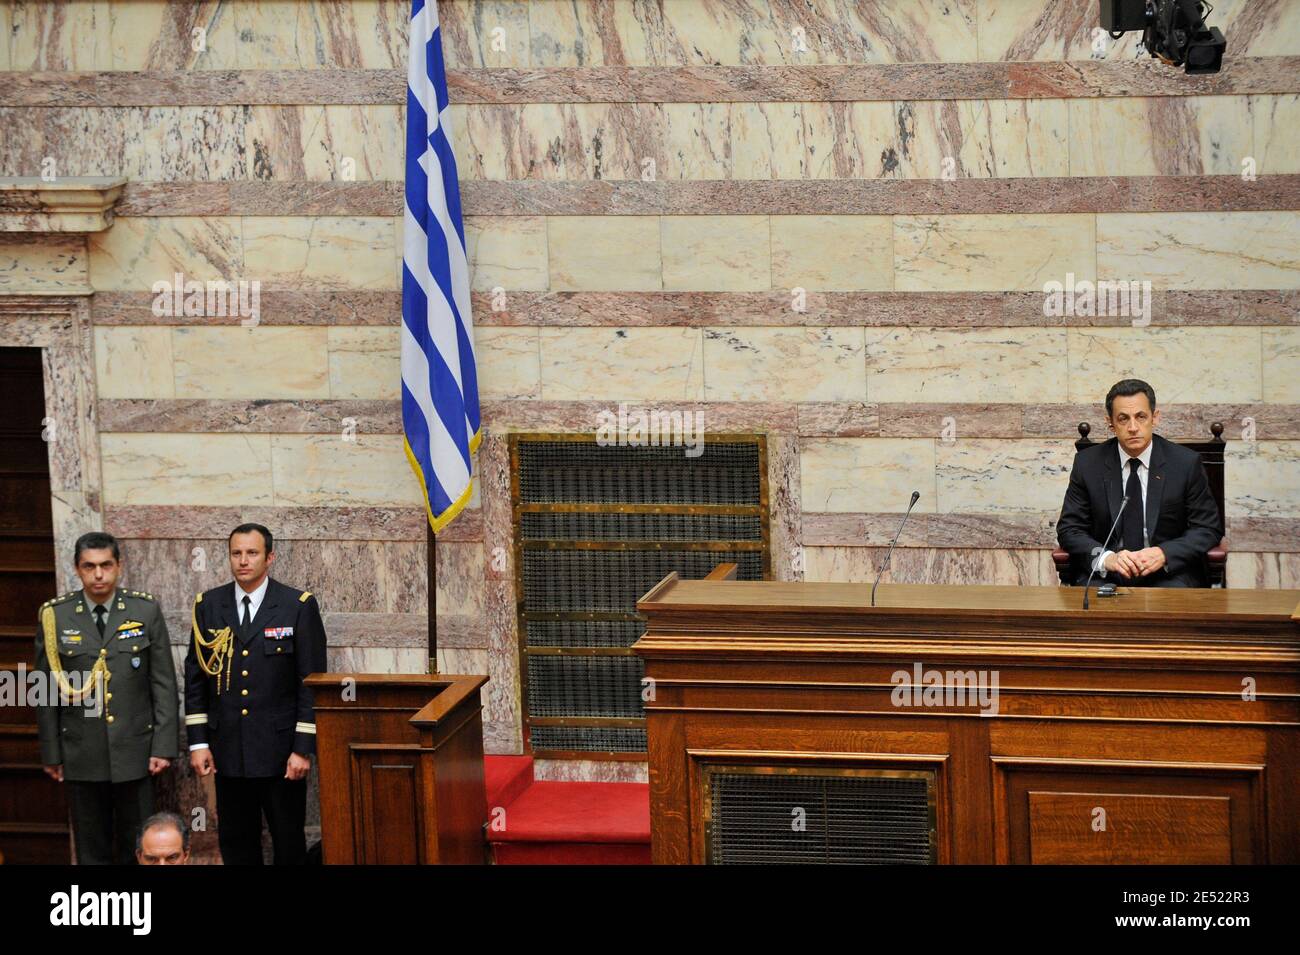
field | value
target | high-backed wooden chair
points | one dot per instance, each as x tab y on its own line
1211	453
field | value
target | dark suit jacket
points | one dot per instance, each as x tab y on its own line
1182	518
252	733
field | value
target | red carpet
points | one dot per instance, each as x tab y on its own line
564	823
506	778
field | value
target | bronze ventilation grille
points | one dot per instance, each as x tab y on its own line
783	815
595	527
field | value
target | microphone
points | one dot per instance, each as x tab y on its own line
916	496
1122	504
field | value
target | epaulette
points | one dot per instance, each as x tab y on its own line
59	599
137	593
305	595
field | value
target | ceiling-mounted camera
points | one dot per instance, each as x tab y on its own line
1173	31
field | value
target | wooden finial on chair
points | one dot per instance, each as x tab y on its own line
1084	441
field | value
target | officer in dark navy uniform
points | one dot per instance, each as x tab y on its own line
249	718
110	721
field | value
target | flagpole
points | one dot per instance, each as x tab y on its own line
432	561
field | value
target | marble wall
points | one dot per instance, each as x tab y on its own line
830	222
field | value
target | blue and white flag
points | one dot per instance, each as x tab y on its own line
440	412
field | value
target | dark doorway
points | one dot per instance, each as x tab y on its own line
33	810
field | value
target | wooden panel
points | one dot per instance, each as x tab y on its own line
35	844
670	807
460	795
386	794
814	733
19	744
25	495
1283	796
26	793
1153	812
1087	740
1110	829
23	593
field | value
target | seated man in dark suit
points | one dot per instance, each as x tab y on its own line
1170	522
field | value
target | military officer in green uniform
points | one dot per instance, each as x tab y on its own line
111	722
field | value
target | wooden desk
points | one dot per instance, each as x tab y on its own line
400	758
1159	726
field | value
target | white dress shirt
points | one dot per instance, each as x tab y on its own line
254	601
256	596
1144	470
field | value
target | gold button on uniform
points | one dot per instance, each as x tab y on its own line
243	712
244	673
104	652
279	649
243	693
134	649
108	696
244	653
110	719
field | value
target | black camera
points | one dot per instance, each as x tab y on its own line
1173	31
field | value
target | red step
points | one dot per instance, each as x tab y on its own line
573	823
505	779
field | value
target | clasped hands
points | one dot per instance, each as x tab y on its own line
1136	563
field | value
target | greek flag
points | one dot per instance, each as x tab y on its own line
440	413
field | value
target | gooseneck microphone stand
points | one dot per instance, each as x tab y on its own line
1122	504
916	496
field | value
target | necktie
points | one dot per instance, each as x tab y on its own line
100	613
1133	510
248	613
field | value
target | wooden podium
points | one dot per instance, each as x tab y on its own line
400	758
971	724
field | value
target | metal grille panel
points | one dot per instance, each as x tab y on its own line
604	526
613	580
580	471
589	739
584	686
583	633
595	528
849	819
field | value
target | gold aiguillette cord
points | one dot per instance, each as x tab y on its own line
221	647
99	675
